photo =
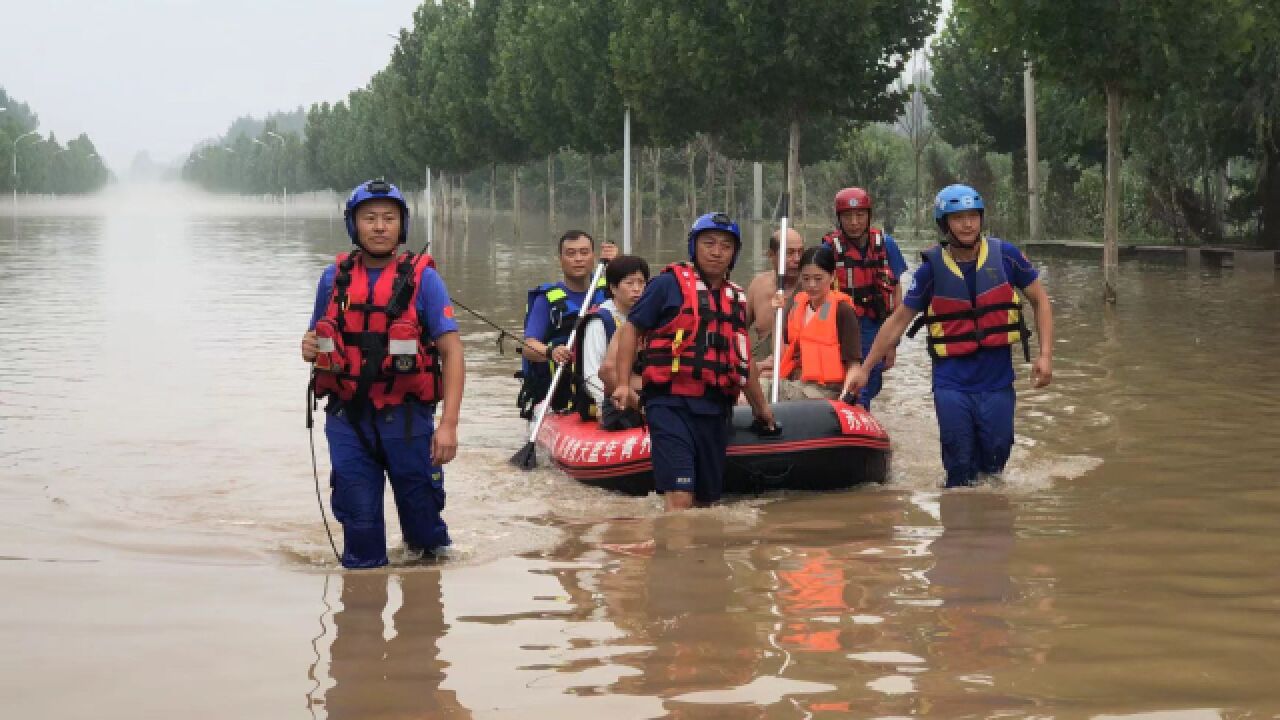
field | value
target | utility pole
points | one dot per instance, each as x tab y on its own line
626	181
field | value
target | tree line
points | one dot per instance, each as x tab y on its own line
1146	126
43	165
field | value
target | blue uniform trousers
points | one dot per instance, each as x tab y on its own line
976	432
875	380
688	451
358	480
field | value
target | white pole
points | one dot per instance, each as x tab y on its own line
777	316
626	181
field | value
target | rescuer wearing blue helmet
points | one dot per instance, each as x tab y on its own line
967	287
695	363
385	352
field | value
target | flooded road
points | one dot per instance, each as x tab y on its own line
162	555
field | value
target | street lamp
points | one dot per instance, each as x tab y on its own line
280	137
17	140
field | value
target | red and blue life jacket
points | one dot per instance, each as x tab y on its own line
959	322
704	350
372	344
864	274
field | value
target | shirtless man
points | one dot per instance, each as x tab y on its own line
760	310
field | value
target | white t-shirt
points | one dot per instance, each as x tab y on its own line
594	346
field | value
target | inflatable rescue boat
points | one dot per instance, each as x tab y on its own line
822	445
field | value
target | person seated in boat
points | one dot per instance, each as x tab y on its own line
594	375
966	286
764	287
550	314
868	267
821	335
385	351
696	361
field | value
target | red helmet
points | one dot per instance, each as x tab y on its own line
851	198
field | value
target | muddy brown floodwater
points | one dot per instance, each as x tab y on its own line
162	556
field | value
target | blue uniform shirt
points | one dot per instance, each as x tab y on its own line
661	301
538	324
989	369
436	315
899	267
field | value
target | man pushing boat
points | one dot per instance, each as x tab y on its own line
695	362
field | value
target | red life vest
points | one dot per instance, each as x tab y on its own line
364	348
704	350
864	274
959	323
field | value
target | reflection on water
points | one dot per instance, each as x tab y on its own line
384	654
151	429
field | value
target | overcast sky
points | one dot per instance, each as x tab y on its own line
161	75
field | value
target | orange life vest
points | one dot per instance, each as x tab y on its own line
864	274
704	350
817	342
373	342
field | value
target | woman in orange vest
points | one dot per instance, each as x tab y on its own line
822	336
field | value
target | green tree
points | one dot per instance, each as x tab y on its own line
809	59
1120	48
977	96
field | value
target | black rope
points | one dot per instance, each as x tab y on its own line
505	333
315	470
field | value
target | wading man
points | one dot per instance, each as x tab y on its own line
868	267
386	351
967	289
695	362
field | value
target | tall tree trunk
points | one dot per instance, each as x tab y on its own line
793	159
728	187
591	191
920	219
1220	190
657	185
604	200
1111	212
1020	192
551	190
693	189
1269	192
757	177
493	196
1032	157
462	195
638	218
445	220
709	180
515	200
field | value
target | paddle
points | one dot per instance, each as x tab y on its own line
777	316
527	457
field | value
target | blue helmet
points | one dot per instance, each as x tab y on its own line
715	221
954	199
374	190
